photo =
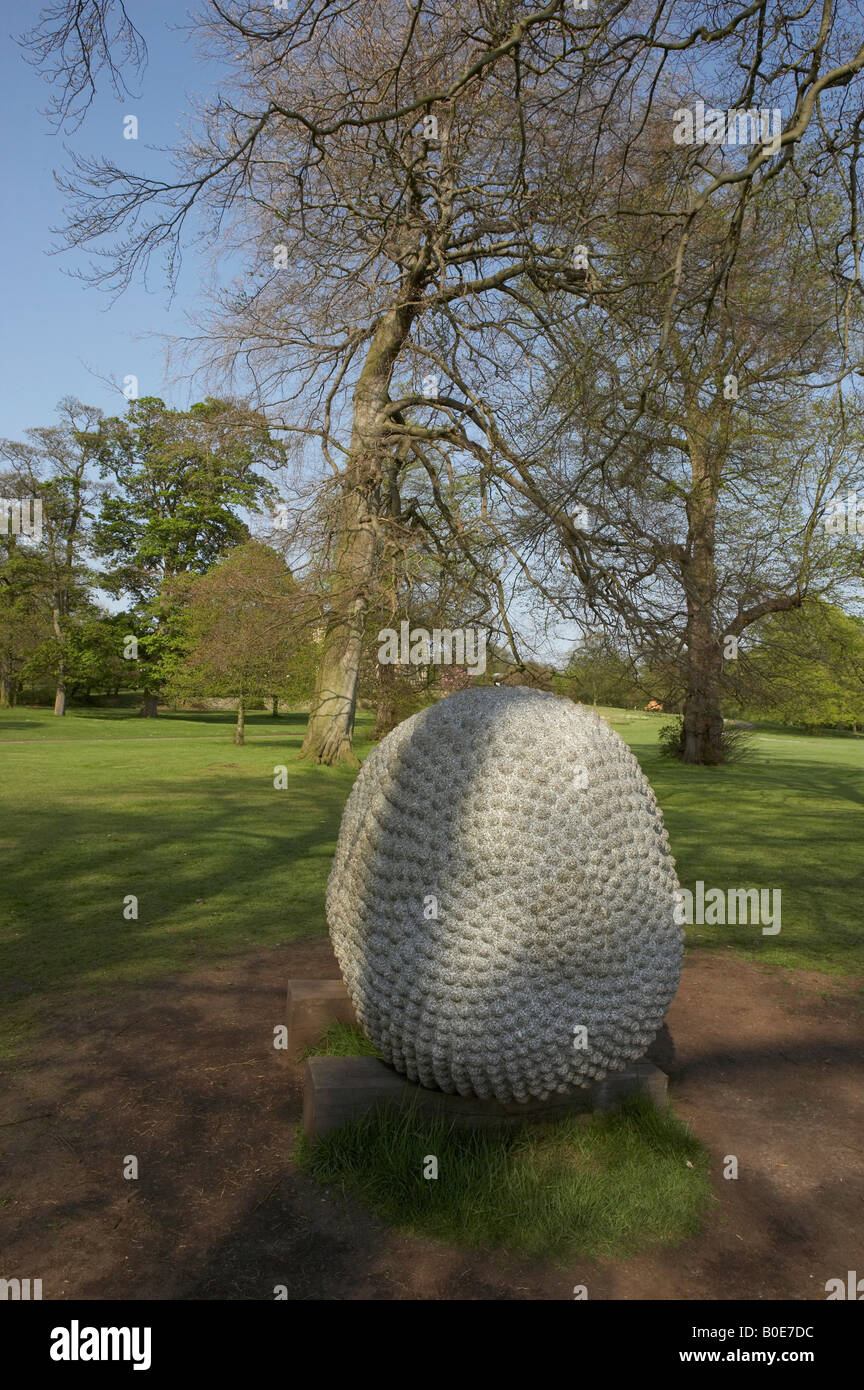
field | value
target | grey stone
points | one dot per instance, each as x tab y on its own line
503	880
662	1053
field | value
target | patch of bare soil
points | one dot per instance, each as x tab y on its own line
184	1077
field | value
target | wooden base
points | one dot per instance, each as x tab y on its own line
339	1090
312	1006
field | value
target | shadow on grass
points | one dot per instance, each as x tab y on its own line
249	866
772	824
183	716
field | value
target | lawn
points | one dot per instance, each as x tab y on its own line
103	804
790	817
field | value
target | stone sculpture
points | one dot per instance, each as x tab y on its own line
502	897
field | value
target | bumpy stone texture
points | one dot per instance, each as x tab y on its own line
526	823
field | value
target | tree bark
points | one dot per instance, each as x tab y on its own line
151	703
385	718
59	611
703	720
330	729
274	709
8	687
240	730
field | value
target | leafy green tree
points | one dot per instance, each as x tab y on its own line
96	647
598	674
53	467
25	626
179	481
807	667
246	632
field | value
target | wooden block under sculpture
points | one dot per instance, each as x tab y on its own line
312	1006
340	1090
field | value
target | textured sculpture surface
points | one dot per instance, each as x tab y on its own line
501	899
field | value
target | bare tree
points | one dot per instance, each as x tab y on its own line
693	511
416	187
73	42
703	433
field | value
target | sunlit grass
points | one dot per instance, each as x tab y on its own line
790	817
341	1040
103	804
218	858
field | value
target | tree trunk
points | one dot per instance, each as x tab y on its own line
8	686
385	719
330	728
240	730
703	720
60	692
151	703
59	611
274	710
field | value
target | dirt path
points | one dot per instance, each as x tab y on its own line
184	1077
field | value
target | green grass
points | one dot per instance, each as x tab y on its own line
790	817
342	1040
97	725
102	804
600	1185
219	860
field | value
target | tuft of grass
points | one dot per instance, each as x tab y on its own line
600	1186
341	1040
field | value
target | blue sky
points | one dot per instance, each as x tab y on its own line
58	332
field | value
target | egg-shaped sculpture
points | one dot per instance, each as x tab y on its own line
502	897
